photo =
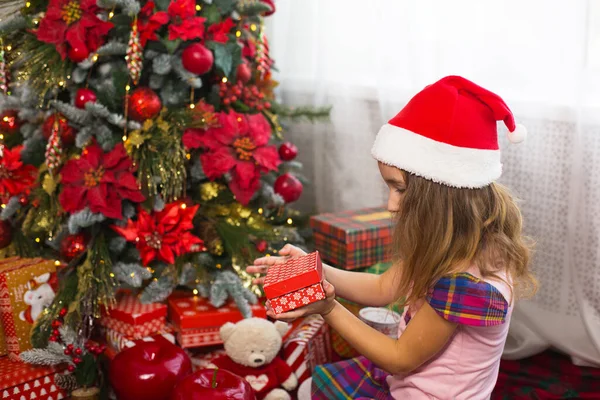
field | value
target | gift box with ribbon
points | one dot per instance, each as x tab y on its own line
307	346
197	322
134	319
27	287
20	381
295	283
353	239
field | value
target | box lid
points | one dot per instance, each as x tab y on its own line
355	225
131	310
191	312
14	373
295	274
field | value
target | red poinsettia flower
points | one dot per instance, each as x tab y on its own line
16	178
74	23
99	181
149	22
163	235
238	146
218	32
184	23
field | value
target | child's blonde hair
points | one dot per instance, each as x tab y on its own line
440	228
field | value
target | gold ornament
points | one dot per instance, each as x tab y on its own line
216	247
49	184
210	190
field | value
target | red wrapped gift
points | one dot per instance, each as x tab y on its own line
354	239
134	319
119	341
295	283
198	322
309	345
19	381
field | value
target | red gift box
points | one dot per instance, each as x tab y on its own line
119	341
20	381
198	322
134	319
295	283
205	360
308	345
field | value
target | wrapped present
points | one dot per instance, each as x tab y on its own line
339	345
308	346
135	319
204	360
353	239
197	322
20	381
295	283
27	287
119	341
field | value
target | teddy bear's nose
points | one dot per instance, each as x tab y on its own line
257	360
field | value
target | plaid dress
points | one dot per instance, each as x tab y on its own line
461	298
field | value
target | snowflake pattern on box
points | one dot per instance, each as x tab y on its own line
303	297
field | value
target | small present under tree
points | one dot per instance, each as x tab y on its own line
142	146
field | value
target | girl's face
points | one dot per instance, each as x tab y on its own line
394	178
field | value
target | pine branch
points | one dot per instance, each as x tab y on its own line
131	274
188	274
304	113
112	48
187	77
158	290
252	8
83	219
228	284
44	357
68	336
72	113
11	207
12	23
162	64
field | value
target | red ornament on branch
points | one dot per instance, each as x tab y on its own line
163	235
197	59
78	53
67	133
261	246
6	231
10	122
288	151
72	246
288	187
144	104
84	96
244	74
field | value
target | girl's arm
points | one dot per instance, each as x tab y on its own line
362	288
422	339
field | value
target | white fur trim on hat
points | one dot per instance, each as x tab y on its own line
440	162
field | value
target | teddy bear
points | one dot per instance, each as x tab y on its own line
252	351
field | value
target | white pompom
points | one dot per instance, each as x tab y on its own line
518	135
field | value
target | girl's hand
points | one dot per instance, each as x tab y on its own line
322	307
261	265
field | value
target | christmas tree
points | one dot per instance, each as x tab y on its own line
142	148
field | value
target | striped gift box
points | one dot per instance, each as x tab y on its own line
307	346
134	319
353	239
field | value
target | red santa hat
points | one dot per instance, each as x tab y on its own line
447	134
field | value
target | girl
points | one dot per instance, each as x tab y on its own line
459	255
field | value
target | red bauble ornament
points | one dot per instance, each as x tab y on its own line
214	384
5	233
67	133
244	73
149	371
288	151
288	187
78	53
197	59
84	96
72	246
144	104
10	122
261	246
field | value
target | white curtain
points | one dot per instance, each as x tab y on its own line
542	56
